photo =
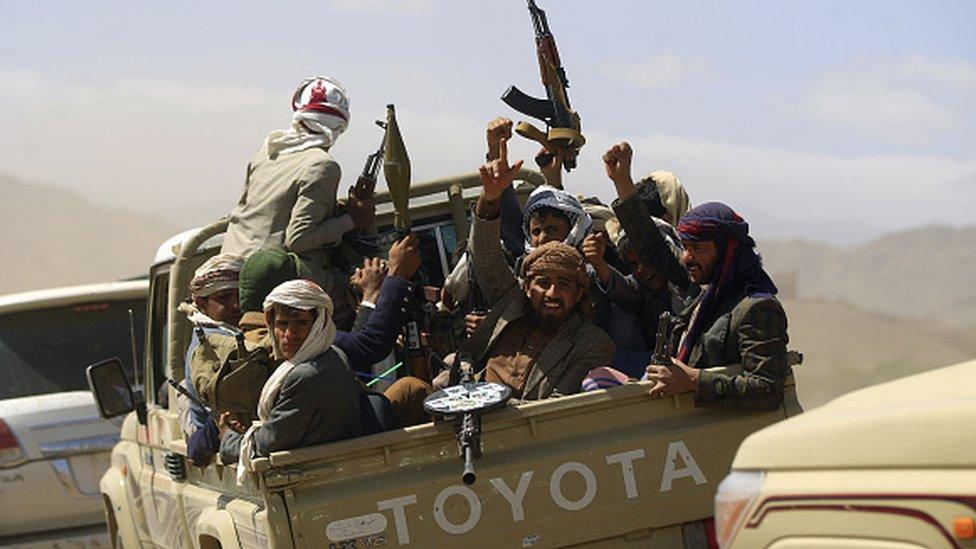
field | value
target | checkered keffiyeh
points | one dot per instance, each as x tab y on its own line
220	272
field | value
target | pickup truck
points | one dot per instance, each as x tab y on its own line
607	468
891	466
54	447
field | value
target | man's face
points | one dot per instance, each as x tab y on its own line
650	277
547	228
700	257
291	329
222	306
553	298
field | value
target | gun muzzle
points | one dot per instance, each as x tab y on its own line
468	476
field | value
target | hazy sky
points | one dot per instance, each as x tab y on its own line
830	120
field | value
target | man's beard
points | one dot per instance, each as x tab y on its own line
550	322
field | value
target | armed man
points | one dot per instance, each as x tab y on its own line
731	340
289	199
535	339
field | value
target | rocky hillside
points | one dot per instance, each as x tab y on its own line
846	348
923	274
54	237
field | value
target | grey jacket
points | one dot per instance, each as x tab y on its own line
289	202
578	346
319	402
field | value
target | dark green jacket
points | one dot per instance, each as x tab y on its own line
742	354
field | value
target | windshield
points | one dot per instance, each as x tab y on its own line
47	350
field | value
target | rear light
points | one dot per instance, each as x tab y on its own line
735	496
10	453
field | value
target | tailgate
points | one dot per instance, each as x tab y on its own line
583	468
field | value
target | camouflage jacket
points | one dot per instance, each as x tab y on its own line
742	354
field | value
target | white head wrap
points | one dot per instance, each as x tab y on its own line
546	196
298	294
321	106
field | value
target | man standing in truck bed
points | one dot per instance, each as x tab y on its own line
289	198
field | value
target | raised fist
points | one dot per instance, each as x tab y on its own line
498	129
616	161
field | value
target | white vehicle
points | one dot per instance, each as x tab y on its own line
54	447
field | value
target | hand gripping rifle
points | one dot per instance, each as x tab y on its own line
562	122
468	399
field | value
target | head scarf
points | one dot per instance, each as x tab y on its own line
220	272
739	269
670	193
298	294
620	240
321	106
555	259
600	213
307	296
546	196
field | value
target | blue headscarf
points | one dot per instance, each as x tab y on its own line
739	269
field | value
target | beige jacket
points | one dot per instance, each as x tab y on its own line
289	202
578	346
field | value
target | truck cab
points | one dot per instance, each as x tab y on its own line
607	468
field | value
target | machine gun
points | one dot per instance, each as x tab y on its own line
562	122
468	399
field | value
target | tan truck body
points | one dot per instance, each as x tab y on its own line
607	468
890	466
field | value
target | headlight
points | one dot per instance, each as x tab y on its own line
735	495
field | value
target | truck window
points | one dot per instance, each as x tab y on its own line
47	350
437	242
158	335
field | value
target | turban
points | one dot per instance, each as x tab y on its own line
307	296
670	193
220	272
261	272
321	106
739	269
555	259
550	197
714	221
598	212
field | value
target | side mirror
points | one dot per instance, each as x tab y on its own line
113	393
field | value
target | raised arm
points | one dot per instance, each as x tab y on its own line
491	269
650	246
375	340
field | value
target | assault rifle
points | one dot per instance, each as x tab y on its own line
662	343
562	122
366	184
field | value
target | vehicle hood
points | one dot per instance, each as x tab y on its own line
924	420
54	424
